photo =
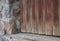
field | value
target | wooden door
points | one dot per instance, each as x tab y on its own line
40	16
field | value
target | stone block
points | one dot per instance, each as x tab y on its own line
1	28
0	15
16	12
10	26
11	1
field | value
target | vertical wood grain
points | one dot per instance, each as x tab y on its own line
58	30
40	16
33	17
36	16
43	17
21	15
48	18
30	13
28	26
56	17
24	16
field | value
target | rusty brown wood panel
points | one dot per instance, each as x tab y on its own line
40	16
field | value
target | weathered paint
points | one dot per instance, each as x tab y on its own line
39	16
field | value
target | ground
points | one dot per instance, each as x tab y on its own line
28	37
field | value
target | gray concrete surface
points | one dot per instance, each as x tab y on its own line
28	37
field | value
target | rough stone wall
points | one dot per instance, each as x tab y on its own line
9	17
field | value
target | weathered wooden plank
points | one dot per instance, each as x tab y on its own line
56	17
48	18
43	28
24	16
33	22
36	16
39	17
21	15
29	15
59	18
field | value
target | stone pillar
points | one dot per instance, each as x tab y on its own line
9	16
